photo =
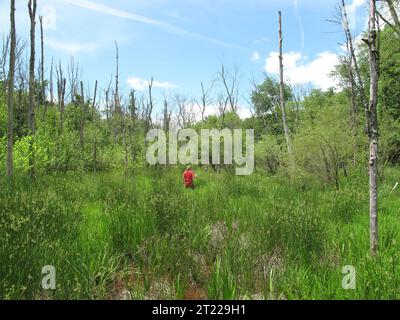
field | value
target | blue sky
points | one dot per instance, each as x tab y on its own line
181	43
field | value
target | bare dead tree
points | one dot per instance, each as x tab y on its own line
117	101
42	65
4	57
60	78
230	83
94	99
61	88
132	105
353	77
347	61
222	107
186	112
82	120
20	46
353	59
389	23
372	119
32	5
167	116
125	144
282	89
74	76
107	93
51	84
133	109
118	128
141	108
21	78
149	106
393	13
354	106
82	94
94	129
205	99
10	94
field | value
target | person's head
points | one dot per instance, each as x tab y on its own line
188	168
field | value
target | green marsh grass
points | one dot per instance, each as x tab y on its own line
233	237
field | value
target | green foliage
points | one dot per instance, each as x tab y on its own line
268	237
266	101
268	154
266	97
3	119
389	88
324	146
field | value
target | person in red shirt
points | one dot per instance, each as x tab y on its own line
188	177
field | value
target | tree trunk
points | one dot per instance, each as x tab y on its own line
132	124
393	13
32	15
354	107
63	84
3	59
282	89
32	5
82	120
107	102
42	65
116	97
204	102
10	94
349	40
354	110
373	132
165	120
51	84
94	130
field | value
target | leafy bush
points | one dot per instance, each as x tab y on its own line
324	146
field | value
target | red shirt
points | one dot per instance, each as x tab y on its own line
188	177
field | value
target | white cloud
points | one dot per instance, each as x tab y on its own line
256	56
140	84
290	61
213	109
72	47
298	70
244	112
